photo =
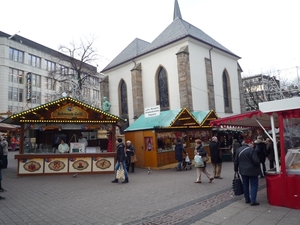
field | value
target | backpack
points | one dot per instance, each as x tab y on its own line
198	161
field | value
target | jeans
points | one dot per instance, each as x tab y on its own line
253	181
179	164
124	167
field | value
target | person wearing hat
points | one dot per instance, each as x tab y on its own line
121	160
216	159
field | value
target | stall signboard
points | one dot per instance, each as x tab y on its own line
77	147
152	111
69	111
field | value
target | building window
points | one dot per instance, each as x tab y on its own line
16	76
36	97
35	80
15	94
15	109
50	66
163	89
63	70
226	93
123	93
16	55
50	84
34	61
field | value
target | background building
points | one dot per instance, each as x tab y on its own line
32	74
261	88
182	68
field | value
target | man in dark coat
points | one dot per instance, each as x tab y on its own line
216	159
121	160
247	164
261	151
178	154
1	165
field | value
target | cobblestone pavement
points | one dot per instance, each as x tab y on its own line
162	197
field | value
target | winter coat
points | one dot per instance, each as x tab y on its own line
270	152
121	156
260	148
178	151
247	163
201	150
215	152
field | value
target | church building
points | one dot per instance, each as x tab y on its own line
182	68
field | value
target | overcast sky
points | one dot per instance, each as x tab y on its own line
264	33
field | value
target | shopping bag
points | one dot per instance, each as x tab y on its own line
198	161
120	173
187	158
133	158
237	185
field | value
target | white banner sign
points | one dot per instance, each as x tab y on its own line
152	111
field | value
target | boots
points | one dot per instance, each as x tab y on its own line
115	181
125	181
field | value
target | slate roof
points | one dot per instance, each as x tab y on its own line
176	31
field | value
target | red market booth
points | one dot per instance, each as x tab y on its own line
42	128
283	182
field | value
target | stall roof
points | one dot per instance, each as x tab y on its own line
63	110
248	119
177	118
7	127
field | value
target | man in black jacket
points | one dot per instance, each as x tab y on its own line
247	164
216	159
121	160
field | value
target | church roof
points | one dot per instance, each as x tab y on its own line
177	30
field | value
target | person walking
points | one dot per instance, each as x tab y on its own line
247	164
1	165
121	160
130	151
216	159
178	154
200	151
4	145
260	148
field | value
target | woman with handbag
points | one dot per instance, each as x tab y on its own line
121	161
201	167
131	157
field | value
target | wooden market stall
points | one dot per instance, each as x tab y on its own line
154	137
283	182
43	127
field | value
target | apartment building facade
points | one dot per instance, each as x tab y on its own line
33	74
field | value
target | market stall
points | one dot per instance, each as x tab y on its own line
44	127
283	183
154	137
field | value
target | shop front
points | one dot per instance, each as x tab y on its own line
89	133
283	182
154	138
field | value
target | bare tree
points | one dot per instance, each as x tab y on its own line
74	74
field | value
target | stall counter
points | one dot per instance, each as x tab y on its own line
37	164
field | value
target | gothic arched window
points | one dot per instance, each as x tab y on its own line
163	89
123	98
226	92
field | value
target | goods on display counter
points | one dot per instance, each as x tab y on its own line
88	131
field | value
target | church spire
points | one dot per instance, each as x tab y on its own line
177	12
